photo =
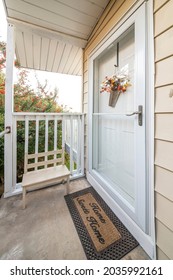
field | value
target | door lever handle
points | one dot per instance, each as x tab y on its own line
139	113
134	113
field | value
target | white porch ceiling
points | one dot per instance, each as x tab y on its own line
50	35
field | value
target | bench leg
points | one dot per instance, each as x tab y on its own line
24	198
68	184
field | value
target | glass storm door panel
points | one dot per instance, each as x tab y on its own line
118	137
113	131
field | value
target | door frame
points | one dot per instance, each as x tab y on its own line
146	239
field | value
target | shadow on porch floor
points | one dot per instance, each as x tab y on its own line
44	230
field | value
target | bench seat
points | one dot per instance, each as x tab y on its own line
41	178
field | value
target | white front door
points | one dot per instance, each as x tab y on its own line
118	143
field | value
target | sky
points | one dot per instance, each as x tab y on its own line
69	87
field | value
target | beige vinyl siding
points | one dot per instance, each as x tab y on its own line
163	76
161	255
158	4
162	49
164	182
113	13
164	126
164	211
163	23
163	102
163	239
163	18
164	154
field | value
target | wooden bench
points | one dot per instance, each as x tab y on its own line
49	175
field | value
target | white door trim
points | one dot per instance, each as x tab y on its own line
150	128
147	240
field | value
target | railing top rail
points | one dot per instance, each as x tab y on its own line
46	114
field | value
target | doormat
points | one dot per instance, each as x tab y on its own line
102	234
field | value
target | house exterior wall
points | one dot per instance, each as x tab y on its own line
163	42
163	39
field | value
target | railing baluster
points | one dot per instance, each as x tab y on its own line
46	137
36	139
63	137
26	140
55	137
71	145
78	143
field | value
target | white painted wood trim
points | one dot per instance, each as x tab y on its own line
36	138
26	141
82	143
63	131
150	120
29	156
78	143
55	136
71	144
16	191
18	114
26	134
8	145
90	112
14	151
46	137
63	137
140	132
82	83
45	162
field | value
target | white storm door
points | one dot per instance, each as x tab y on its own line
117	145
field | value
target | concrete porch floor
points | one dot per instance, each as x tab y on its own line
44	230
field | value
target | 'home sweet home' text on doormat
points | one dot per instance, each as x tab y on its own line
102	234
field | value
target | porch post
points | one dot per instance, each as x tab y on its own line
8	159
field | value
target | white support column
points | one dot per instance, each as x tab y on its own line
8	158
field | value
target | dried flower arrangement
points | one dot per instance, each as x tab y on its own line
115	85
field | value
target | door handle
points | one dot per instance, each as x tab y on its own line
139	113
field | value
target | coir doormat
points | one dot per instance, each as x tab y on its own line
102	234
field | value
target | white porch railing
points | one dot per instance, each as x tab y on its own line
42	132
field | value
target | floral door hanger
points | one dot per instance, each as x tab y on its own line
115	85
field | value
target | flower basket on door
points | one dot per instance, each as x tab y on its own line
113	97
114	85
